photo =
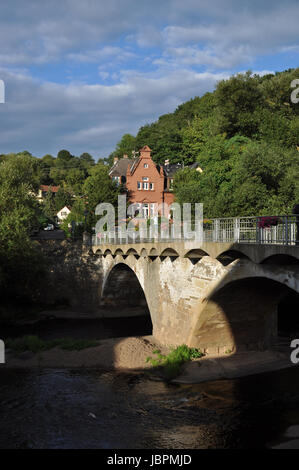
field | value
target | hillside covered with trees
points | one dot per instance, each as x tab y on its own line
245	136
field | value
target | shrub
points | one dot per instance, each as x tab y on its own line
171	364
266	222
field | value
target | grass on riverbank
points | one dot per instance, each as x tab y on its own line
36	345
172	363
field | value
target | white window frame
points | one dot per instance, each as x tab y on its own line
145	186
152	186
145	165
139	185
145	211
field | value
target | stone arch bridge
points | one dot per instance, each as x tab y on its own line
216	296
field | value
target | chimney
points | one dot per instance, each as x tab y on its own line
125	155
115	159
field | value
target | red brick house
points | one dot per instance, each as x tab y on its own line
147	183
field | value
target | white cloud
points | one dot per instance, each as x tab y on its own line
37	32
146	54
45	117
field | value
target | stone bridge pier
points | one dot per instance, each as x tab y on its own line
215	296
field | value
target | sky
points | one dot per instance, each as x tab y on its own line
79	74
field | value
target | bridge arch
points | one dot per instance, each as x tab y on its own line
131	251
119	251
169	252
227	257
281	260
123	296
107	252
242	314
196	253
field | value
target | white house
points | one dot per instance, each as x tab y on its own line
63	213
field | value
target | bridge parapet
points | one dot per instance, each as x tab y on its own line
261	230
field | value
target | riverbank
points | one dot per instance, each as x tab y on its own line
130	354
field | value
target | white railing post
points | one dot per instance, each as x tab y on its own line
237	230
216	230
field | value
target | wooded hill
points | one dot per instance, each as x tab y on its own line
245	135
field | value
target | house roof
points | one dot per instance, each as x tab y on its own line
171	169
63	208
194	166
120	166
46	188
145	149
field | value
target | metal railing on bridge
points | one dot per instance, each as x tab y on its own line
274	230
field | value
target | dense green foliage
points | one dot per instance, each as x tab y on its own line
172	363
83	184
20	262
245	136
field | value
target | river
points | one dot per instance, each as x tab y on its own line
59	408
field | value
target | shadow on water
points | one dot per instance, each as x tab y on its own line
94	409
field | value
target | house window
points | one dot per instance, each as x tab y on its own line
151	186
145	182
139	185
145	211
171	184
145	165
115	179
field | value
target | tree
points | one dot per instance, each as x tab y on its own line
238	101
74	180
186	186
86	160
99	187
125	146
49	206
48	160
63	198
65	159
20	261
64	155
192	141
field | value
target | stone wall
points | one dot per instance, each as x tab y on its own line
73	277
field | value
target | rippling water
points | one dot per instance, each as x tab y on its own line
96	409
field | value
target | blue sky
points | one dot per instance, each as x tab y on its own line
81	73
